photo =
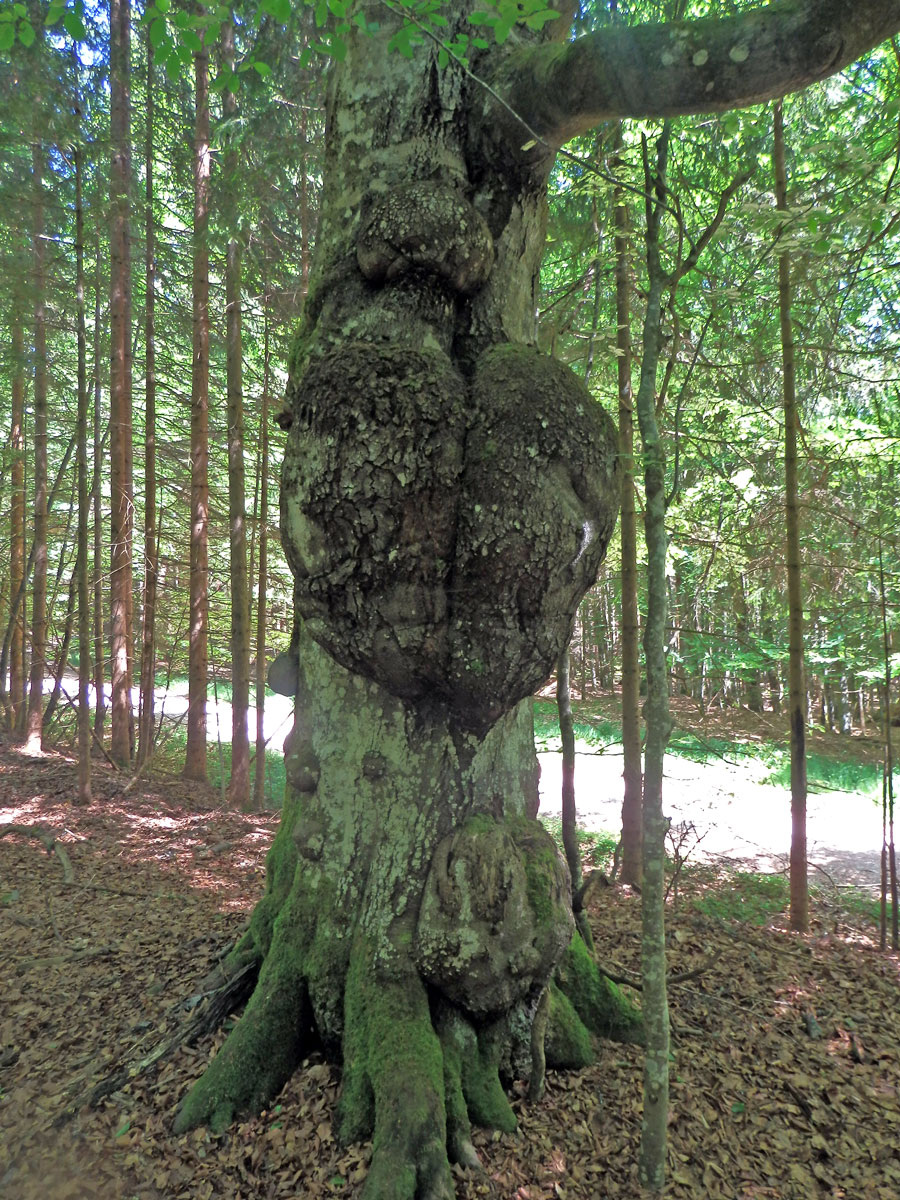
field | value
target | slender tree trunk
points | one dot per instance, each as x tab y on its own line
632	866
151	560
239	782
97	512
262	521
749	677
17	524
81	458
569	810
198	645
799	915
888	853
653	944
35	714
121	499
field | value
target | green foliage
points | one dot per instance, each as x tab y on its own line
746	897
597	846
592	732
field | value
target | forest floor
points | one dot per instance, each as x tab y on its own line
786	1048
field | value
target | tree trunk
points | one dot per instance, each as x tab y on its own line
121	498
799	915
433	595
239	781
97	511
198	641
447	494
259	778
34	720
632	774
17	525
81	459
151	559
653	944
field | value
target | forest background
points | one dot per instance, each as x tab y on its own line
159	201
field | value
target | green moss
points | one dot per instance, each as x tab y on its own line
471	1059
392	1055
261	1052
281	865
602	1006
567	1043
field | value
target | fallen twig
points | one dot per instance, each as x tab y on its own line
49	841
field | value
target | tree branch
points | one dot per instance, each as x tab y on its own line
684	67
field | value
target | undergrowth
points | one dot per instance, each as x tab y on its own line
597	846
169	756
595	733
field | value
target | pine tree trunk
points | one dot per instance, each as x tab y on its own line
17	526
262	520
447	496
632	866
799	915
97	512
151	559
198	647
121	499
34	720
239	782
81	461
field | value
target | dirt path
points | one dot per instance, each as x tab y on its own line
735	815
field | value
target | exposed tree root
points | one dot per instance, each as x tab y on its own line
224	991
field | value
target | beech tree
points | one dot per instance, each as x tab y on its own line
447	495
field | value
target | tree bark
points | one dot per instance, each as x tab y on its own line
239	781
799	915
198	641
81	458
632	773
34	720
659	724
121	498
17	523
151	561
97	510
259	777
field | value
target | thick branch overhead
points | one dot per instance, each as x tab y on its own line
685	67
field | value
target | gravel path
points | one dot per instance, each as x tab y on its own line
734	814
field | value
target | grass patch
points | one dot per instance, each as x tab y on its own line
597	846
746	897
169	756
857	903
828	774
593	732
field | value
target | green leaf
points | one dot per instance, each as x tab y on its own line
7	35
54	12
159	34
26	33
279	9
262	69
124	1129
74	26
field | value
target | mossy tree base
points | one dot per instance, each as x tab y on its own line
414	915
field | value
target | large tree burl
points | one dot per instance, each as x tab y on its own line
442	531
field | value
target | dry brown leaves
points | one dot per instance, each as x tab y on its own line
163	883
